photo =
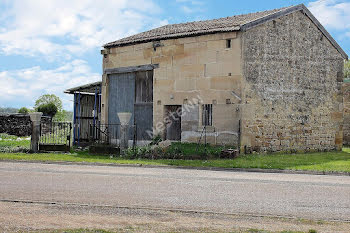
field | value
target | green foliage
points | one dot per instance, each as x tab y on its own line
347	69
49	109
156	140
64	116
13	144
23	110
47	99
323	161
177	150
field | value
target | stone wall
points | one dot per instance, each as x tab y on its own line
20	124
292	91
190	69
346	123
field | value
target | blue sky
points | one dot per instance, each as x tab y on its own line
47	46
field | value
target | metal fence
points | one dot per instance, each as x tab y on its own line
109	134
56	134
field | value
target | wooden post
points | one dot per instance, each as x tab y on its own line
35	117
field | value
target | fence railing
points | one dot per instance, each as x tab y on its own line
109	134
56	133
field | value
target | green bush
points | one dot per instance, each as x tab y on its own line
177	150
156	140
49	109
23	110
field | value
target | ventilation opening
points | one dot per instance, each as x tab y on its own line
228	43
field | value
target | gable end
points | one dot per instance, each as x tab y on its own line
290	10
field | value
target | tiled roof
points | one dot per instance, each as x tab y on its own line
226	24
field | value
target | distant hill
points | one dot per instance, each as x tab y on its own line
8	110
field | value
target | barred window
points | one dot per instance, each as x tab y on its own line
207	114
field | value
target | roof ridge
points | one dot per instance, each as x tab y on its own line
251	13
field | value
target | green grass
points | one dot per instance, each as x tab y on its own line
322	161
325	161
9	142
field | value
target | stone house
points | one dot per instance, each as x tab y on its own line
265	81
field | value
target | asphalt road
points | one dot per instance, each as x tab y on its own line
266	194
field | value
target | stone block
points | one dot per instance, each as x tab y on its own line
143	46
216	45
337	116
186	40
172	50
124	49
203	83
229	35
163	61
210	37
192	71
187	84
163	85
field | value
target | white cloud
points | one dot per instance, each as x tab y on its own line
333	14
56	28
26	85
190	6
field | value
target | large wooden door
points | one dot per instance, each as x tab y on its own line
132	92
144	104
121	94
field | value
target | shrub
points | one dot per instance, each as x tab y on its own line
156	140
177	150
23	110
49	109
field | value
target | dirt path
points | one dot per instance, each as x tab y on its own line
33	217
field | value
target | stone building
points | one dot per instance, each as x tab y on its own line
346	114
265	81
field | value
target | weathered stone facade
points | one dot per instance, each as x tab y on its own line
20	124
276	87
292	92
346	113
191	70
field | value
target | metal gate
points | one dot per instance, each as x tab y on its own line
55	136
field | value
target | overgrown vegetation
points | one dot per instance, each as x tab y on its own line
185	154
13	144
176	150
51	105
347	70
23	110
49	109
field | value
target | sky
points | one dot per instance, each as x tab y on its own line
48	46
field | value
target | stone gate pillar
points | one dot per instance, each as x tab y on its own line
35	117
124	118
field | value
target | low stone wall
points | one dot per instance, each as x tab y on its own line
20	124
346	114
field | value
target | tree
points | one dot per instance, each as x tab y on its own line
23	110
64	116
49	109
347	69
47	99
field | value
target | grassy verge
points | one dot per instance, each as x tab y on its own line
326	161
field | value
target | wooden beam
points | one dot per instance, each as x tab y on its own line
131	69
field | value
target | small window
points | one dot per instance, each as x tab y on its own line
207	114
228	43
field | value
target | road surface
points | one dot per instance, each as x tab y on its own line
317	197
